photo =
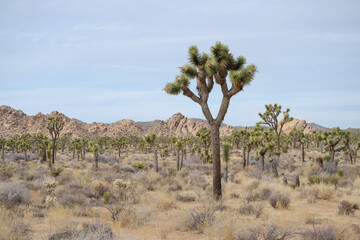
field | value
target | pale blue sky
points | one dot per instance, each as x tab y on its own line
108	60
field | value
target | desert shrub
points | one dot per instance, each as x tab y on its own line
196	179
171	172
261	195
319	191
322	233
5	175
346	208
92	231
20	230
269	231
249	209
73	194
186	197
34	174
278	200
175	186
198	220
139	165
99	190
341	172
325	192
82	211
13	194
71	199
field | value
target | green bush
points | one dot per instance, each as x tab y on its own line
55	171
106	197
341	172
139	165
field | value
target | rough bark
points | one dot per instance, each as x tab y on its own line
215	137
262	162
155	158
244	156
178	160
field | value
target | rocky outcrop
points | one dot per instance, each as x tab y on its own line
298	124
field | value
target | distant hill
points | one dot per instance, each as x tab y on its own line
14	121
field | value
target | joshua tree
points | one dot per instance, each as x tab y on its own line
207	69
44	144
226	159
54	125
270	118
95	148
336	141
12	142
264	141
298	135
173	141
179	149
2	145
204	137
64	140
77	147
24	144
84	143
150	139
118	143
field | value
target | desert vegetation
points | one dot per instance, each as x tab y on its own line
274	185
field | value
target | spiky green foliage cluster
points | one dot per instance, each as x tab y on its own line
150	139
218	64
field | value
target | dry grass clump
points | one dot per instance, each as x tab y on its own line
186	196
279	200
268	231
346	208
199	219
318	191
251	209
322	233
88	231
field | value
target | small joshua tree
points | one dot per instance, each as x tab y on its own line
264	141
24	144
150	139
95	148
54	125
336	141
208	69
118	143
270	118
226	159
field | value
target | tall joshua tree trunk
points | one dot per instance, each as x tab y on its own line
215	137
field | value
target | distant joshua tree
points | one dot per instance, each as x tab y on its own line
270	118
150	139
207	69
226	159
54	125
